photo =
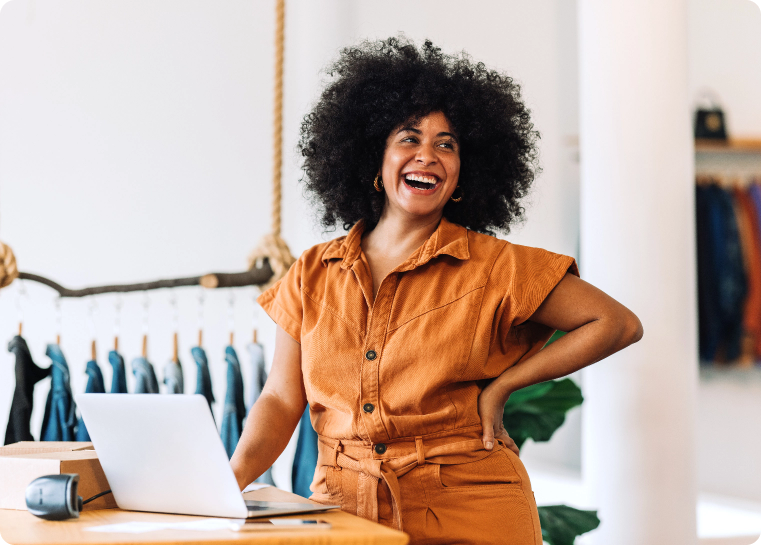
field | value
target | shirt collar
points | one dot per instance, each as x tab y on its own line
448	238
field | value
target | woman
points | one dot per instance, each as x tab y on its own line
408	335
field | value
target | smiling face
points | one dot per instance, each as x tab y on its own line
421	166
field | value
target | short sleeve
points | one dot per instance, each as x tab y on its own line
283	303
526	277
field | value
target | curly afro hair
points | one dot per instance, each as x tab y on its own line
379	85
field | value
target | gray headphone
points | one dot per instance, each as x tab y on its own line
54	497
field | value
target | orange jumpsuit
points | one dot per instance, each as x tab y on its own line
393	382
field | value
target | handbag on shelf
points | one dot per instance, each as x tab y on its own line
710	122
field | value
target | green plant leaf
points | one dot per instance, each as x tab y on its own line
539	427
529	393
561	524
537	411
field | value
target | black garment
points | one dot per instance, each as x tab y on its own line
27	375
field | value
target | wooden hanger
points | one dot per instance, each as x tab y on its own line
175	357
93	351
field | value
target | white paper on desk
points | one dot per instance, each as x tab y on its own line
255	486
134	527
206	525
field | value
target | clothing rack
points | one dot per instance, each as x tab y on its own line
252	277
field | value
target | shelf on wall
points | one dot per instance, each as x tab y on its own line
733	145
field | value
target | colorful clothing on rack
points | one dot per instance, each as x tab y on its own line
722	282
60	420
28	374
119	373
203	377
95	385
235	409
145	377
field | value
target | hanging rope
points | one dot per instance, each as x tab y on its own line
277	132
272	246
272	255
8	269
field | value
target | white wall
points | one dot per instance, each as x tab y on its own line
725	57
135	144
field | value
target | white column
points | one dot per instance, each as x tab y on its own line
637	244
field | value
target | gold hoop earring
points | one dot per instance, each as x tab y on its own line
378	180
458	199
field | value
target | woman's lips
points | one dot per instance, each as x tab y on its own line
421	183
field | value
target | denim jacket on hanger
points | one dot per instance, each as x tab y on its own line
203	377
119	376
173	378
235	409
60	420
145	377
95	385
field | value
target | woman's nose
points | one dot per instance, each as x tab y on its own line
426	155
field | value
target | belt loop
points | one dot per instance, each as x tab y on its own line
338	448
420	451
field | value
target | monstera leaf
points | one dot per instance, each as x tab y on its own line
537	411
561	524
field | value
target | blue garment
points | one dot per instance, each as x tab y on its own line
730	272
173	378
722	282
95	385
145	377
119	376
60	420
258	373
258	379
203	378
708	314
305	459
235	409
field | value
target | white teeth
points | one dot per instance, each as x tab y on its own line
425	179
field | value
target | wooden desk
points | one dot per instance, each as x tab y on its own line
21	528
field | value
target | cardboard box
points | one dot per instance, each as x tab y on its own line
21	463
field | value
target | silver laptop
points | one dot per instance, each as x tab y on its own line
162	453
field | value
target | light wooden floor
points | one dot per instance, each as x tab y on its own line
747	540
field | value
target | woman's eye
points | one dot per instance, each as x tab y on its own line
409	139
447	145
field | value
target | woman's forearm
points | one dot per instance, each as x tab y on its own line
577	349
269	427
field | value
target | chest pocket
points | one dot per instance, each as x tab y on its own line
437	287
